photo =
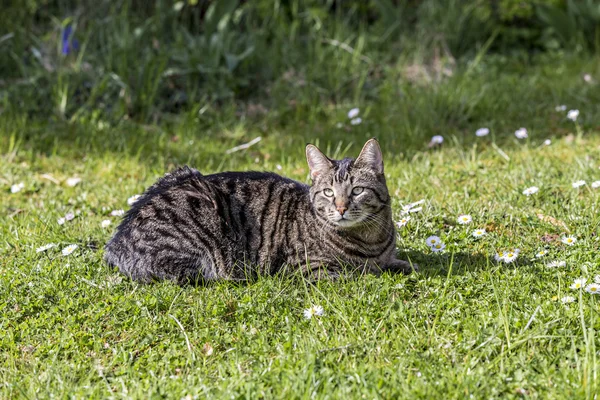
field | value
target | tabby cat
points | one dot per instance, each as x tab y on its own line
238	225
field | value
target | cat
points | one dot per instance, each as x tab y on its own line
190	227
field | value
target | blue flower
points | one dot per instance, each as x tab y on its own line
68	43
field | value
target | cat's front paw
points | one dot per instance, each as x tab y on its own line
400	266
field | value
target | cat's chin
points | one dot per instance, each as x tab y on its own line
346	223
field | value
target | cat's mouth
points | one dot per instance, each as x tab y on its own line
345	222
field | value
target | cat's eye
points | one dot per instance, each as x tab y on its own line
328	192
357	190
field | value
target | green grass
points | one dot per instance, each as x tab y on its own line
463	326
144	95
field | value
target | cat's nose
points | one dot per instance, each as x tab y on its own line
342	210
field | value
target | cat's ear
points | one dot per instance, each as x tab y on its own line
318	163
370	156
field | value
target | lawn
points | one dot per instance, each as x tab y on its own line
464	326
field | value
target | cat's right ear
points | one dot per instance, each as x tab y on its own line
318	163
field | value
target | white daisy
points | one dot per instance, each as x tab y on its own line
436	248
464	219
433	240
133	199
597	279
595	185
587	78
61	221
69	216
416	209
531	190
541	253
569	240
556	264
499	256
578	184
578	283
510	256
69	249
117	213
314	311
106	223
482	132
403	222
17	187
568	299
479	233
45	247
356	121
437	139
573	114
593	288
521	133
353	113
547	142
73	181
560	108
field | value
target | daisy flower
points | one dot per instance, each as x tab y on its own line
482	132
464	219
314	311
69	249
499	256
521	133
437	139
403	222
593	288
556	264
510	256
45	247
597	279
356	121
105	223
69	216
433	240
133	199
560	108
572	115
73	181
17	187
547	142
353	113
479	233
530	190
578	184
61	221
117	213
568	299
541	253
569	240
578	283
436	248
595	185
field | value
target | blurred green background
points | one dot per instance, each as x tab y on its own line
147	60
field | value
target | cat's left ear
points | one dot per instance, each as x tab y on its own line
370	156
318	163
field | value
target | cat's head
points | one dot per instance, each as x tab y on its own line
349	193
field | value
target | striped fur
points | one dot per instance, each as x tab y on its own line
239	225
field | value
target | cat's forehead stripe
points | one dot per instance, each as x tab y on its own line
342	169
